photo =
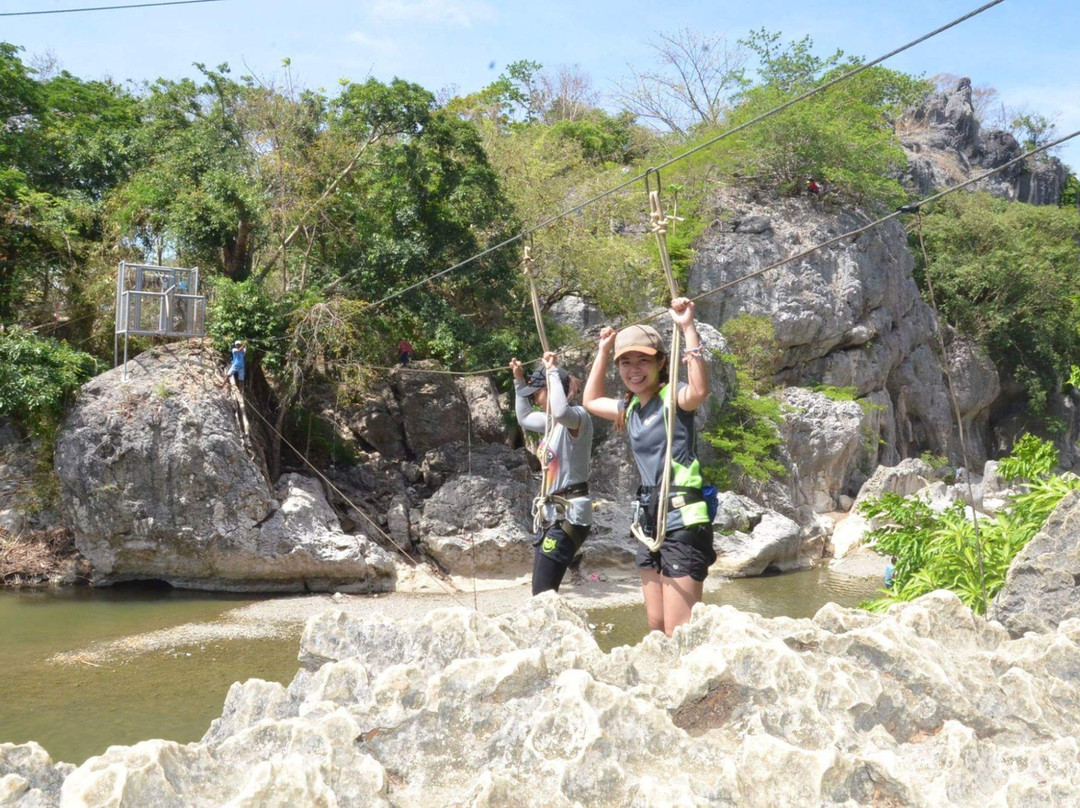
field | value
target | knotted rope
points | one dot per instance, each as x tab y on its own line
659	228
541	500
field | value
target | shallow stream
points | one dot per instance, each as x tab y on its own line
78	709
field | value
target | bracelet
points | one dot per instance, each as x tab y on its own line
688	352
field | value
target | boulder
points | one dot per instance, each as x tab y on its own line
478	520
158	480
433	411
773	543
904	479
827	441
1042	586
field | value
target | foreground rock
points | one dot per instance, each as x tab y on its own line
160	481
928	705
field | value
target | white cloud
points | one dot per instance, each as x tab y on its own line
458	13
380	45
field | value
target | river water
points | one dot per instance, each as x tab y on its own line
76	710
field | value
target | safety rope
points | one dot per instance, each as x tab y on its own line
955	405
529	269
540	501
659	225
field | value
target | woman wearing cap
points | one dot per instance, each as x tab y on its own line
564	511
672	578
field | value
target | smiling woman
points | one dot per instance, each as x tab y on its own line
676	551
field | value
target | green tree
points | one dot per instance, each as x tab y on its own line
39	377
842	136
63	144
197	194
1007	275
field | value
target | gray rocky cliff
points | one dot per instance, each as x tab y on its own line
1042	587
927	705
946	146
159	481
848	316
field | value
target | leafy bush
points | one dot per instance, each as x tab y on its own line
39	378
1031	459
746	431
746	428
948	551
245	311
1005	274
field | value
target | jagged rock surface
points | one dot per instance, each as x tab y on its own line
159	482
1042	586
946	146
927	705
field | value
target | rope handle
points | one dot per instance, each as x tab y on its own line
529	269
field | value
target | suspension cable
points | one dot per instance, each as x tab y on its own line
956	408
712	141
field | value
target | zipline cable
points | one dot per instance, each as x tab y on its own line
850	234
106	8
416	562
712	141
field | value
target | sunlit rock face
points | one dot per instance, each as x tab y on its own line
160	480
1042	587
927	705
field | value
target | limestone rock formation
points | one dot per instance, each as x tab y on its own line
827	441
925	705
159	481
1042	586
846	316
946	145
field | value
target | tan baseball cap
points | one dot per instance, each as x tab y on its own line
642	338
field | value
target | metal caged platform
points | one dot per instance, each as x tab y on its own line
157	302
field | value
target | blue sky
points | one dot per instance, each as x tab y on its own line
1025	49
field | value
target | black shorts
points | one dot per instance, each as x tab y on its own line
561	541
688	551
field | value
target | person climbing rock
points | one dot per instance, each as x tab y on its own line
236	367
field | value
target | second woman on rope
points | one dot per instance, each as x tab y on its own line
672	575
563	510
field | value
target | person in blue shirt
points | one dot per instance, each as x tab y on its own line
236	367
890	571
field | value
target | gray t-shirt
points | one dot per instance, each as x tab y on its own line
566	456
647	431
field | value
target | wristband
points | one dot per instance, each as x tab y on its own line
688	352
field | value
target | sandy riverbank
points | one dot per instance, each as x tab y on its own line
418	592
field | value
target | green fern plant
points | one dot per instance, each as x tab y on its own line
942	550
